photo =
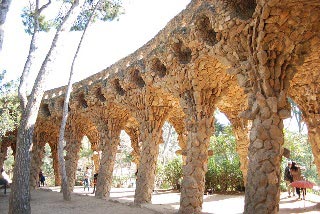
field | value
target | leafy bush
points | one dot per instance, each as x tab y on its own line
173	172
301	153
224	172
170	175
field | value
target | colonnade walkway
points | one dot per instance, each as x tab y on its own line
169	201
47	200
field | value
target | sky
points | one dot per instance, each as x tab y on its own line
104	45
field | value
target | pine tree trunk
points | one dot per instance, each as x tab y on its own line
4	8
20	194
65	187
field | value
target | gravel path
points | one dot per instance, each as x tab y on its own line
50	201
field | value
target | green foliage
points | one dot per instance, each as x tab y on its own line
108	10
224	172
173	172
47	166
169	175
8	163
9	106
301	153
29	21
219	128
119	181
86	152
296	113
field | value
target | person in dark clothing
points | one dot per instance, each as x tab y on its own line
42	179
95	178
3	182
296	174
289	179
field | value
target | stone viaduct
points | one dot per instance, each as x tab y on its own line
245	57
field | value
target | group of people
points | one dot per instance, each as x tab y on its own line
87	178
293	173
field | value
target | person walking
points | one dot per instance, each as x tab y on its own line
86	180
42	179
289	179
95	179
3	180
296	175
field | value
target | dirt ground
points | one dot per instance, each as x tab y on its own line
49	200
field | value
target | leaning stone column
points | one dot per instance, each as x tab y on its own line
134	137
199	110
55	162
151	121
241	132
265	151
182	139
37	154
110	136
73	146
313	124
96	161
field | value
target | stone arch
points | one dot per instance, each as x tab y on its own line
9	140
262	44
132	129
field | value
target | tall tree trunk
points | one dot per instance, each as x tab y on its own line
20	194
4	8
65	187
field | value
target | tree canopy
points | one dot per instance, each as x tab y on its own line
10	112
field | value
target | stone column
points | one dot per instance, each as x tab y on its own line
55	162
37	154
265	151
134	137
182	138
110	137
96	161
73	145
241	132
7	141
151	121
199	125
313	124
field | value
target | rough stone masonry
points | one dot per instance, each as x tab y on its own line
244	57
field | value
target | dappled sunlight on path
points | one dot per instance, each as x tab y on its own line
169	201
45	201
